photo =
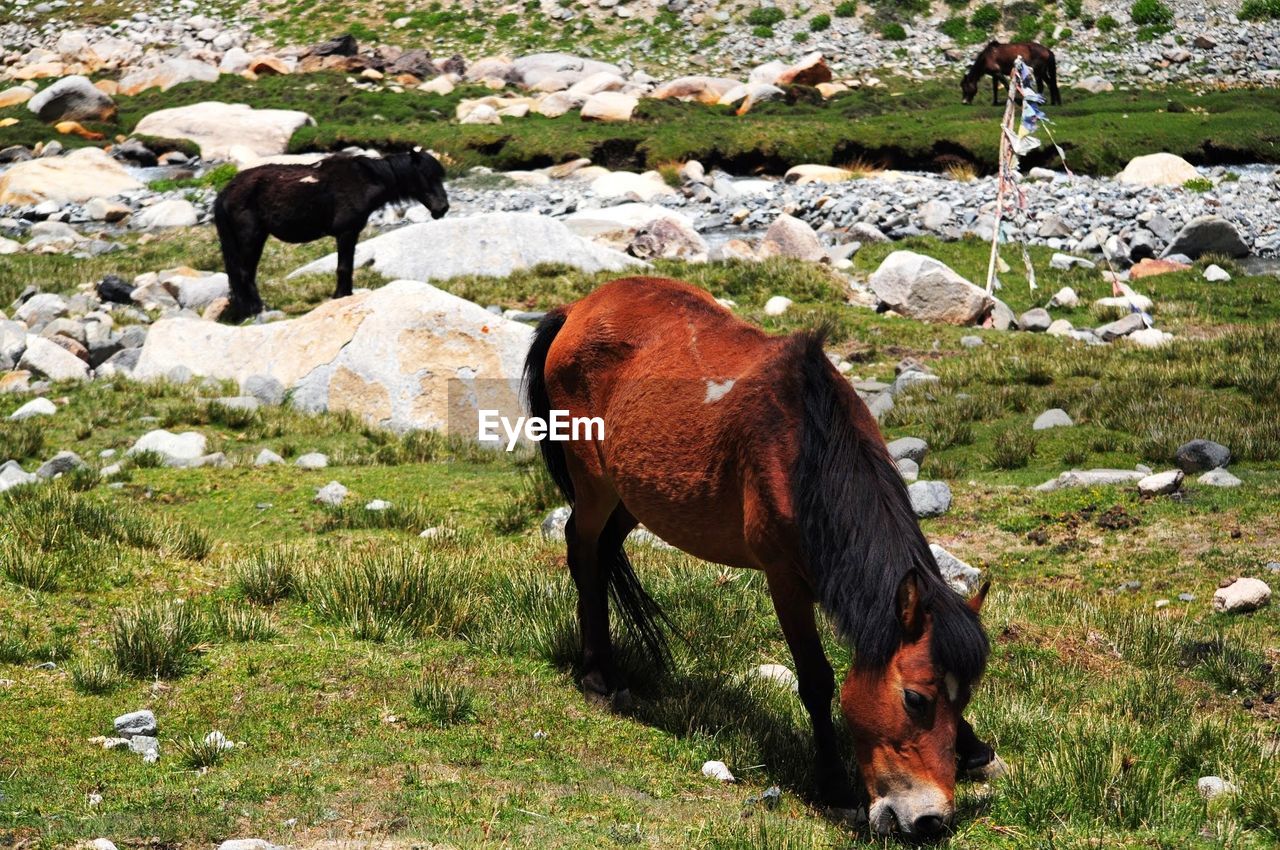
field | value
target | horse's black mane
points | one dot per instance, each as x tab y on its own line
859	533
396	172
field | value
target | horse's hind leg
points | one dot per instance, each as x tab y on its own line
590	530
793	603
346	262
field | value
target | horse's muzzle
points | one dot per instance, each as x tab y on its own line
439	213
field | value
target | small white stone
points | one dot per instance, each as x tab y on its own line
377	505
779	674
1241	596
1219	478
714	769
1161	483
312	460
1214	786
777	305
1216	274
331	494
36	407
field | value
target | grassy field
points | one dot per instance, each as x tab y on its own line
420	692
904	125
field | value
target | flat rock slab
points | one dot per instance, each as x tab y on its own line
495	244
406	355
1091	478
74	178
221	128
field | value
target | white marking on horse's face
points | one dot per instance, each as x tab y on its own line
309	179
717	390
953	686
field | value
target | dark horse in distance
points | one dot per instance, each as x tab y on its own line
302	203
752	451
996	60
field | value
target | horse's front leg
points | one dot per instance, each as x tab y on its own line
346	261
793	604
995	89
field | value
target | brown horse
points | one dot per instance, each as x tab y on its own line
751	451
996	60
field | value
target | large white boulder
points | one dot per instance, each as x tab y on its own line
47	358
629	184
167	75
609	106
219	127
406	355
74	178
570	69
924	288
495	244
72	98
174	212
1158	169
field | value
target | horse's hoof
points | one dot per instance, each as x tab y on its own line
993	769
622	700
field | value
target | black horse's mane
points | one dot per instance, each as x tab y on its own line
860	534
396	172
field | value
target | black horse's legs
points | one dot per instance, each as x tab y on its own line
972	753
585	536
794	606
995	89
240	261
346	261
246	301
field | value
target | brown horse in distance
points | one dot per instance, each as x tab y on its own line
996	60
752	451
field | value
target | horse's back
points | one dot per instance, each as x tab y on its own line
698	410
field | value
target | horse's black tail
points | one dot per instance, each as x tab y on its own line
1054	97
640	611
538	403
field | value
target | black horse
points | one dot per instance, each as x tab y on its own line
301	203
996	60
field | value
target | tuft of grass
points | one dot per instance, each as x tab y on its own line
215	178
32	569
1260	10
444	702
94	677
1012	449
156	639
21	440
962	172
399	517
240	625
266	576
533	496
1198	184
201	753
386	595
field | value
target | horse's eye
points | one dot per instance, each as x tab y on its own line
916	702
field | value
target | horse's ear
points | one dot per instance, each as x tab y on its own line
975	601
910	611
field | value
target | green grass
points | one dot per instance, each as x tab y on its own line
424	690
905	124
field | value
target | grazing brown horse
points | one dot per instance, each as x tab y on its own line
752	451
302	203
996	60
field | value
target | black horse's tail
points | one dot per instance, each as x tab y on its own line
538	403
640	611
1052	73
